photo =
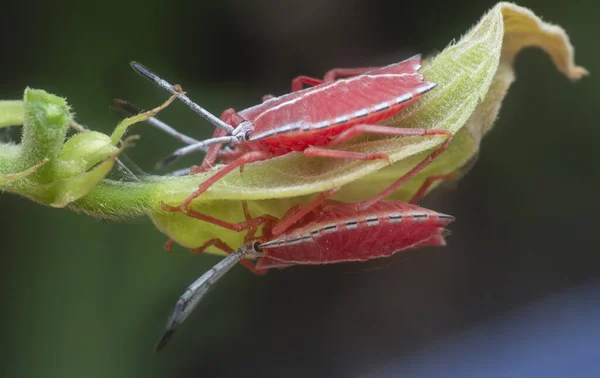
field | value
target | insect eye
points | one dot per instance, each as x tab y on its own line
256	246
248	134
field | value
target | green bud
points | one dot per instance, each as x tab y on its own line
44	167
83	151
47	120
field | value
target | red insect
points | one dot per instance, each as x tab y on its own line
329	231
326	115
323	232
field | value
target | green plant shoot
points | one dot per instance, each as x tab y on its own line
472	76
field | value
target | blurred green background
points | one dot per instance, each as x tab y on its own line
85	298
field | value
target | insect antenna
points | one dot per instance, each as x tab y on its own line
131	109
180	172
146	73
200	146
194	293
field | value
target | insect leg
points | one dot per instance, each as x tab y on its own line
252	230
213	152
418	168
337	154
244	159
333	74
356	130
239	226
169	245
299	82
427	183
375	129
211	156
296	213
459	173
250	224
359	129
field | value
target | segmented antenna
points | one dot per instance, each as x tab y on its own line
155	122
200	146
194	293
146	73
180	172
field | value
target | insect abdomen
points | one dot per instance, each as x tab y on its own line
361	99
360	237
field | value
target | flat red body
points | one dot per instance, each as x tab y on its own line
313	116
339	232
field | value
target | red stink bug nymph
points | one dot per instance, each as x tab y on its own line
323	232
326	115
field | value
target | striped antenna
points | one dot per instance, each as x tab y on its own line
132	109
196	291
200	146
146	73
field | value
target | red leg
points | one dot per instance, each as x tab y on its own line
213	151
291	211
247	214
427	183
337	154
410	174
356	130
300	81
227	249
268	226
250	224
239	226
227	156
212	242
333	74
211	155
266	220
169	245
244	159
296	213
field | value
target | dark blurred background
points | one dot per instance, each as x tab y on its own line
516	292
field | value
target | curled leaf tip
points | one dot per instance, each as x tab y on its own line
522	28
122	127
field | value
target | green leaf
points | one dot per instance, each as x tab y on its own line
520	28
472	76
11	113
